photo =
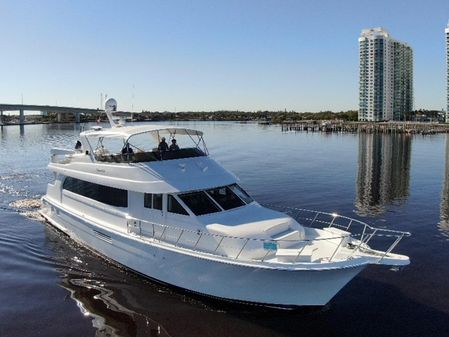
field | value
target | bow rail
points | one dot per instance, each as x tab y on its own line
349	241
361	232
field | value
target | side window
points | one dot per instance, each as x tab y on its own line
148	200
157	201
105	194
174	206
153	201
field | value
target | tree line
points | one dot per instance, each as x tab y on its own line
227	115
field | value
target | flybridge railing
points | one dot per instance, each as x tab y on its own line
149	156
255	249
382	239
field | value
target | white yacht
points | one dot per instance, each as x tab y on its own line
176	216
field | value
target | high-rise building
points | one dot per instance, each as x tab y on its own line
447	74
386	77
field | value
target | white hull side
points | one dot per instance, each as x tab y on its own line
210	277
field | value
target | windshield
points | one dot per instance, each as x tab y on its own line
225	197
241	193
199	203
216	199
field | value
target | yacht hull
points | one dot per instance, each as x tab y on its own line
206	276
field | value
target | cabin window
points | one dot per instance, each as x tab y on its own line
105	194
157	201
153	201
225	197
199	203
241	193
174	206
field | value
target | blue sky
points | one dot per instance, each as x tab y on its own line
210	55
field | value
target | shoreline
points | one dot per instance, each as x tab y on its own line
307	125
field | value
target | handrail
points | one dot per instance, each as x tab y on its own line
261	249
367	231
182	232
334	216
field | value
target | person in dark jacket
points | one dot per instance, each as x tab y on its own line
163	146
127	152
127	149
173	146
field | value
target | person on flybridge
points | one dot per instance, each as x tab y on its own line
173	146
78	145
163	146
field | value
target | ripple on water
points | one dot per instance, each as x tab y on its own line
10	190
23	257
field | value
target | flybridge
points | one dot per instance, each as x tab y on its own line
142	143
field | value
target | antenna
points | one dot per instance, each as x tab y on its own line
132	98
110	106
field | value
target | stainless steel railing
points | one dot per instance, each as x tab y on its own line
233	247
256	249
361	232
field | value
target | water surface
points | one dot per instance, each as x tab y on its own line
49	286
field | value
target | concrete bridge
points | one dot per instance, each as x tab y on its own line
59	110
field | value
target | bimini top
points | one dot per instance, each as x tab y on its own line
126	132
143	143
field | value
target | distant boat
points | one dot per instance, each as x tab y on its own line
179	217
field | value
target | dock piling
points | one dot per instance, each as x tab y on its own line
366	127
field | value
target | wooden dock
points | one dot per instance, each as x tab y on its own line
366	127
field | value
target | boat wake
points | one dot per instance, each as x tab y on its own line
28	208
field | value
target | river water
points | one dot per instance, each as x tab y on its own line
49	286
